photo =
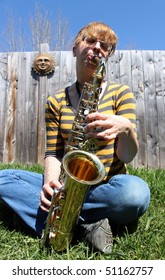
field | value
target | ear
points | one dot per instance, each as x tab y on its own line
74	51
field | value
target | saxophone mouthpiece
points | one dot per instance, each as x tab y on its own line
95	59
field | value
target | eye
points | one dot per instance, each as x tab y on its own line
90	40
104	46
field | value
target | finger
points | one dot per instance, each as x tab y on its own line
110	136
44	202
47	190
55	184
106	134
96	116
99	125
46	209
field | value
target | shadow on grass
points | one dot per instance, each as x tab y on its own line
11	221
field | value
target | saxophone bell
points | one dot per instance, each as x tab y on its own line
84	167
82	170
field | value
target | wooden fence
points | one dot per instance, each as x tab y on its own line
23	96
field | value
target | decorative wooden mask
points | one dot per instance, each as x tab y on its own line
44	64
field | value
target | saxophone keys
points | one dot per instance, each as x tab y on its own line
86	112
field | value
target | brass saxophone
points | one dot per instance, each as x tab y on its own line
80	169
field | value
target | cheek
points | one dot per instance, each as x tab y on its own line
81	49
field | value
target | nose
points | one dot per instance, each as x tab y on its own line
97	45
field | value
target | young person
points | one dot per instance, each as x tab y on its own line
121	198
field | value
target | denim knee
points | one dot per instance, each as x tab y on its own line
123	199
131	197
20	190
132	191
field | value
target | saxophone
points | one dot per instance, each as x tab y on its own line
80	169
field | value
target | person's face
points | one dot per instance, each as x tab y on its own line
88	49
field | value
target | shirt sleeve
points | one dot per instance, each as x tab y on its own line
126	104
54	140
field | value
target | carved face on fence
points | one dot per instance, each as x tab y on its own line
44	64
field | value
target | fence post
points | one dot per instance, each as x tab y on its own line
42	96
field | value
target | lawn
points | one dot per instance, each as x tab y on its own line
147	243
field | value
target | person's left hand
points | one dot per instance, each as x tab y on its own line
107	126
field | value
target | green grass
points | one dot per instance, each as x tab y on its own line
148	242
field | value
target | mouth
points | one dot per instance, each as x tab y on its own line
93	59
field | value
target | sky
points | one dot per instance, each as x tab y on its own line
138	23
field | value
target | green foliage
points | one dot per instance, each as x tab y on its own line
148	242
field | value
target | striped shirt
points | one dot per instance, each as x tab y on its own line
59	116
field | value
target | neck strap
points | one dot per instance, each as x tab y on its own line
78	88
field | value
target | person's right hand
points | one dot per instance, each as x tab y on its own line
46	194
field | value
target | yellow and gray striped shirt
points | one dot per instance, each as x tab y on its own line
59	115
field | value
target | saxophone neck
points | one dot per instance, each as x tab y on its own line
99	75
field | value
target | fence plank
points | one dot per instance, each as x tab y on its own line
150	109
138	90
32	90
10	116
159	59
125	68
113	68
3	109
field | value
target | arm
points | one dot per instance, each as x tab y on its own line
51	169
51	181
127	145
52	162
118	125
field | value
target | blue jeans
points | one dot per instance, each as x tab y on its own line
122	200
